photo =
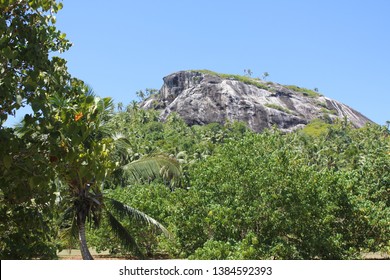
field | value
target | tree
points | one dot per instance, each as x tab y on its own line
248	72
141	95
83	162
28	76
256	197
60	149
27	199
28	36
120	107
265	75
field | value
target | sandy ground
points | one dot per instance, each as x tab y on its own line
76	255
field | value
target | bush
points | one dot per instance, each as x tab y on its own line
274	195
296	205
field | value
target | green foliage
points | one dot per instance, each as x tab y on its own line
27	38
29	76
304	91
62	148
316	128
256	196
152	199
319	193
277	107
29	231
245	79
149	168
266	185
220	250
265	75
327	111
142	95
248	72
85	146
147	136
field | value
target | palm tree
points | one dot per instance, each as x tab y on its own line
265	75
84	162
90	205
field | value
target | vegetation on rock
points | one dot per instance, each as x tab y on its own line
245	79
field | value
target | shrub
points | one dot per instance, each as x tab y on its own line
304	91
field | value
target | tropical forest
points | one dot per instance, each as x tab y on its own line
80	172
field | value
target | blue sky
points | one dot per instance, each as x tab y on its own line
340	47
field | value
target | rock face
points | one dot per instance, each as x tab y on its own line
202	97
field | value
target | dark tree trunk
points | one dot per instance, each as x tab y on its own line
83	241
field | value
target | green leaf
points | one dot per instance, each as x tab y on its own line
155	166
127	240
130	212
7	161
8	53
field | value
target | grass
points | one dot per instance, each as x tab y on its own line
304	91
245	79
257	82
277	107
327	111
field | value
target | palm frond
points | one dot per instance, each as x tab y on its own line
122	144
123	235
151	167
70	234
68	214
127	211
104	105
89	90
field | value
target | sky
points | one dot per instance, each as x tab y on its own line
340	47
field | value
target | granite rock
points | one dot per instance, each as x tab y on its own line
202	97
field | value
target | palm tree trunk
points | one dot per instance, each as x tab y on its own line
83	241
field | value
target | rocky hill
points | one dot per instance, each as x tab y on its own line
202	97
